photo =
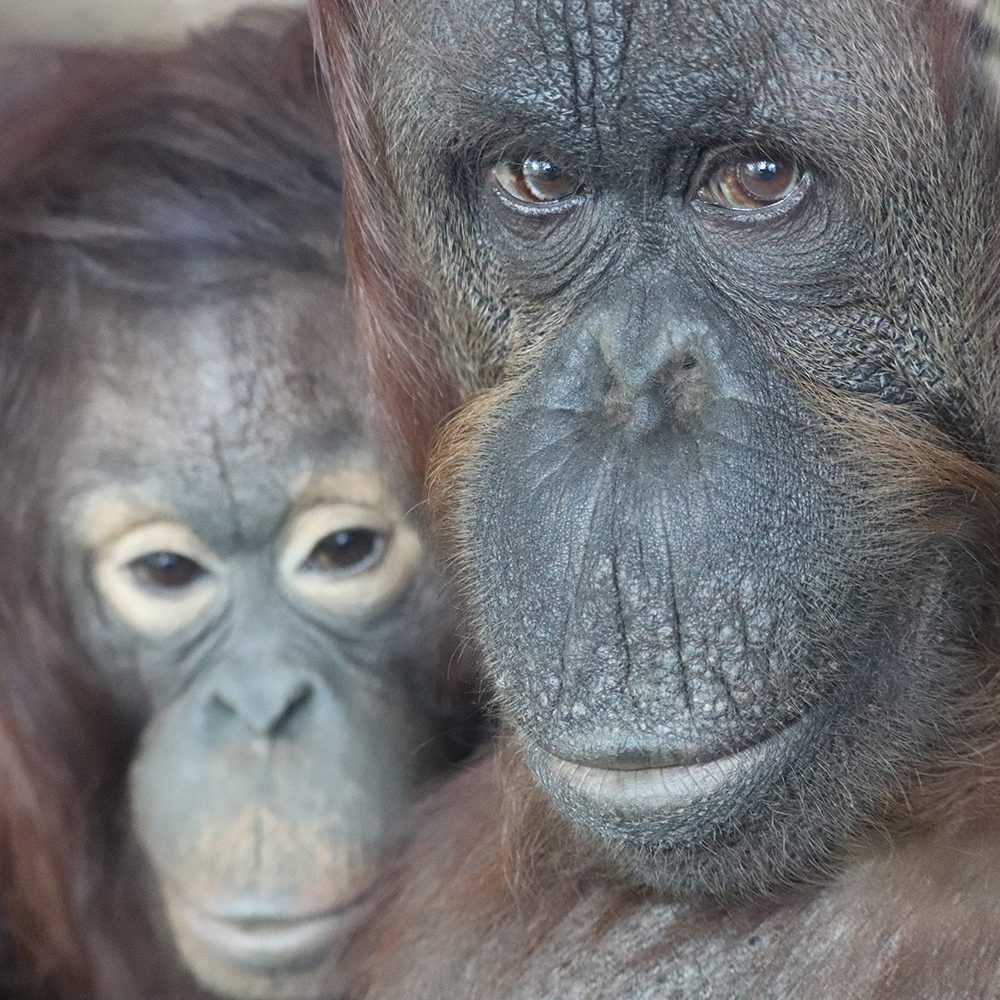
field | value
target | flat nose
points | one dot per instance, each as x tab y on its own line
266	703
654	378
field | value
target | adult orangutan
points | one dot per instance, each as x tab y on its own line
226	664
710	285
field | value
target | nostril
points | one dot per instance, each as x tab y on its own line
676	375
285	711
299	698
266	708
676	371
218	704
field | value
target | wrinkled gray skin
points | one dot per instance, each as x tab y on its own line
671	559
280	741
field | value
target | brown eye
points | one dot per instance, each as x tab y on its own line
535	181
748	184
166	571
350	549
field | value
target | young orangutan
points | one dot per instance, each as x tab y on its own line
226	663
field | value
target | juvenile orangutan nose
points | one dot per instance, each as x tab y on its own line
266	705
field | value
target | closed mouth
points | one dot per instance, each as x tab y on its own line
644	788
267	942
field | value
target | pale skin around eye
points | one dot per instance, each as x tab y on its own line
346	550
369	584
149	610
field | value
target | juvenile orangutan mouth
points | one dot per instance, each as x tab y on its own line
267	942
645	788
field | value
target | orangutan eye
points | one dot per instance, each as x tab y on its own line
535	181
751	183
350	557
166	571
349	549
158	578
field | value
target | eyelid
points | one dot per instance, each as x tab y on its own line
542	209
158	536
151	612
311	526
357	593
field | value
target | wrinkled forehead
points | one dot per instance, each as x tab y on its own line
218	410
604	73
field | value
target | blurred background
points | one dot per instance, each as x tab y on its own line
90	21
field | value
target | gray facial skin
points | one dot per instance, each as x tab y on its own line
245	570
722	630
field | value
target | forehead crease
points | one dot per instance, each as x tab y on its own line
585	43
600	70
226	464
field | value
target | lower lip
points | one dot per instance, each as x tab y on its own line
647	788
268	943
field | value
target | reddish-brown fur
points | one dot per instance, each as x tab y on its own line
460	915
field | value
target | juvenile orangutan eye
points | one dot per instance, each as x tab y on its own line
157	578
535	181
166	571
752	183
349	556
345	550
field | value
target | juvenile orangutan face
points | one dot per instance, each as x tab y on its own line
247	572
